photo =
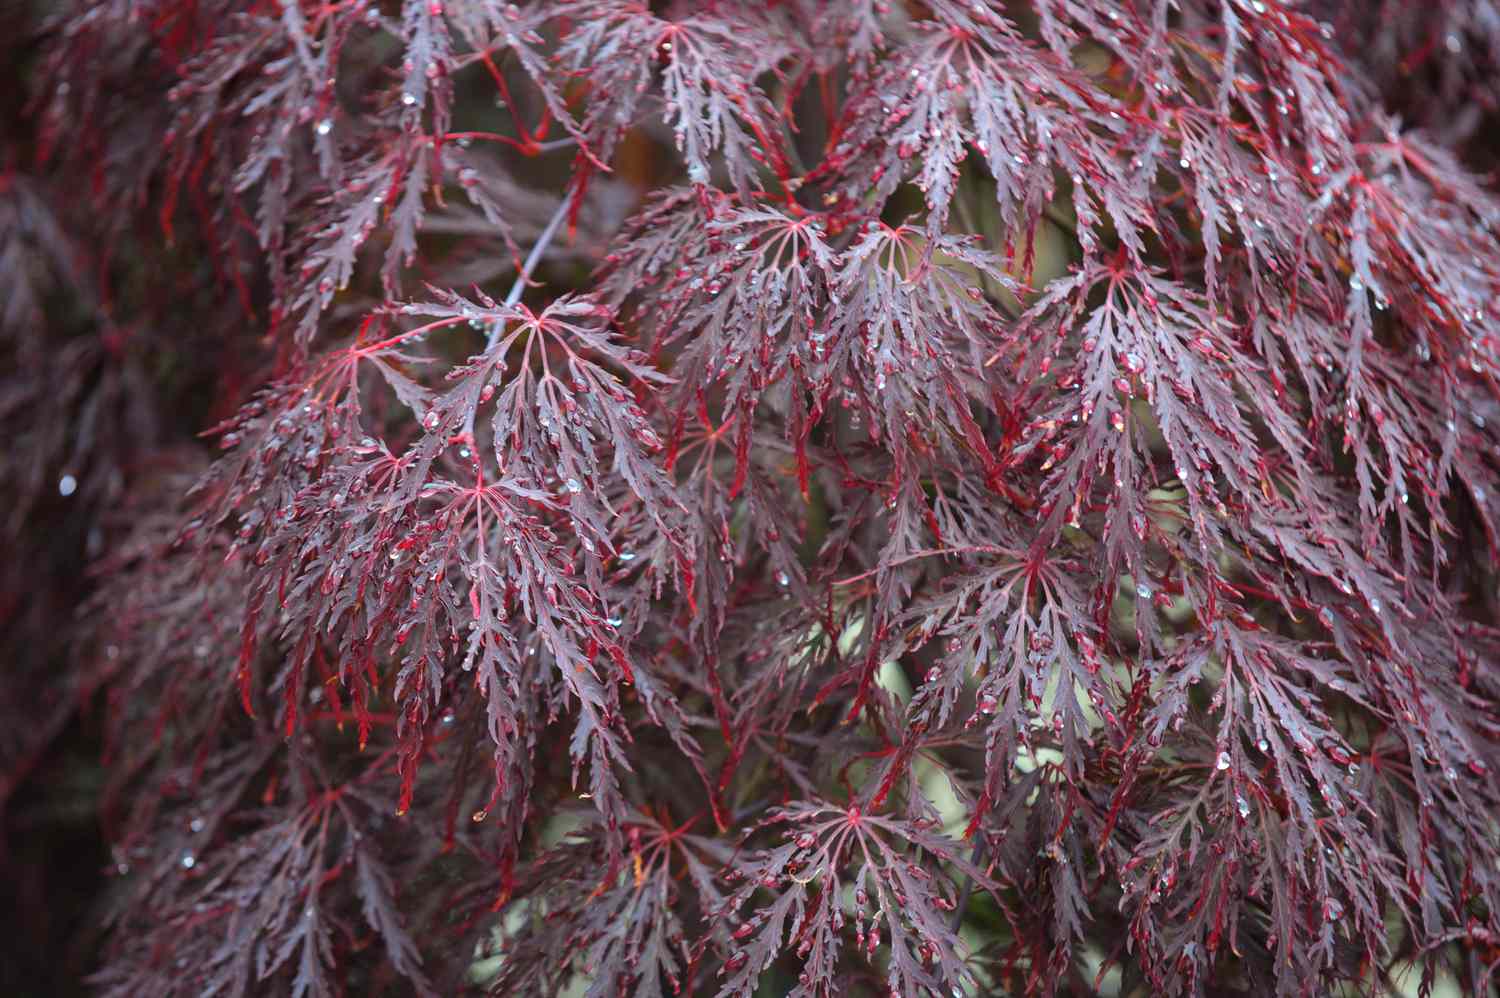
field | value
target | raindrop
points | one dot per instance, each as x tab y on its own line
1243	805
1355	284
325	126
67	485
1263	745
409	98
572	486
1223	761
627	556
782	580
1143	591
189	861
196	825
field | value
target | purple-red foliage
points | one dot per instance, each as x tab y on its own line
773	497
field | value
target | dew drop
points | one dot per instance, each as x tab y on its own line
67	485
1242	805
325	126
1223	762
408	98
1263	745
188	861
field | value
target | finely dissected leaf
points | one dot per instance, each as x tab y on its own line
800	497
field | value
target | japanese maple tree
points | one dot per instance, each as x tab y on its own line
808	497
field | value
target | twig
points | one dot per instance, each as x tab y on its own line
975	858
532	259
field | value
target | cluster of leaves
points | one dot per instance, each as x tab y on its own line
1012	509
